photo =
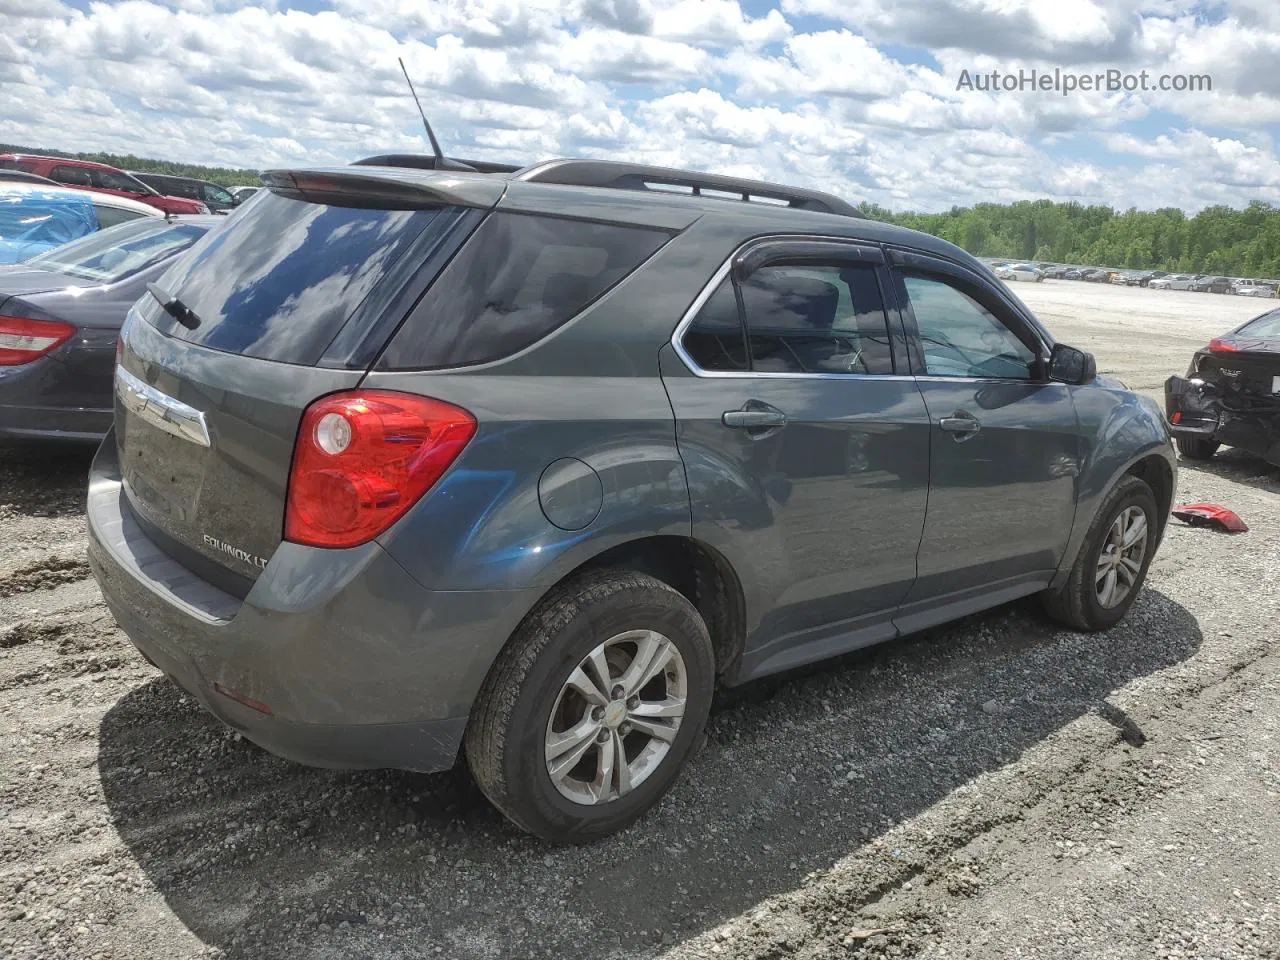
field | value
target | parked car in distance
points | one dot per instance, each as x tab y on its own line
60	317
21	176
215	196
1099	276
35	218
100	177
802	432
1231	394
1212	285
1072	273
1019	271
1254	288
243	193
1176	281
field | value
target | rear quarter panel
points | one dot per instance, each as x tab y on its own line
484	526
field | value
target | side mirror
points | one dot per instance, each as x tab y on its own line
1071	365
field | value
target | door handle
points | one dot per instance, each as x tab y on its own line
754	415
754	418
964	425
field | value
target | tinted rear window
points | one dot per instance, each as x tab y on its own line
109	256
279	282
1265	327
517	279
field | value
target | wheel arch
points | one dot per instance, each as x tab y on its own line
696	570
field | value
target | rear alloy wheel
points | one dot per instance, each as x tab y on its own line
616	717
593	707
1197	448
1112	563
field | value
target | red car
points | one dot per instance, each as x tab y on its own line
87	175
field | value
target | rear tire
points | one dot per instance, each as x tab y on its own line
1082	603
545	691
1197	448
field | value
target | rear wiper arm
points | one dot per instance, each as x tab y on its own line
173	306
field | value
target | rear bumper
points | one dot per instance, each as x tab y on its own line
357	663
36	404
1201	414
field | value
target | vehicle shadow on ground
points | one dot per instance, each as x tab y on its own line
1239	467
260	857
44	479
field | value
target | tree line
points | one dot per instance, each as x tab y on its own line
1217	240
227	176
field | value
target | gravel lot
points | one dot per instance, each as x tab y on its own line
997	788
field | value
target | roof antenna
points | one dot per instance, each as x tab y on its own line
442	162
430	133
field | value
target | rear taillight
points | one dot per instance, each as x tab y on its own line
363	458
1218	345
23	340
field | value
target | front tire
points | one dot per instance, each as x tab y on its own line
1197	448
1112	565
593	707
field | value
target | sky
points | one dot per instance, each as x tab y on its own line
858	97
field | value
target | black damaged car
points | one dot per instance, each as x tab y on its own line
1231	394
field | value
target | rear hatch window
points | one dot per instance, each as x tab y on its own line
111	255
280	283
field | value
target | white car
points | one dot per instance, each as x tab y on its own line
1253	288
1019	271
35	218
1177	281
110	208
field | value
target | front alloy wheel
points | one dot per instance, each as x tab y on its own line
1120	559
1112	563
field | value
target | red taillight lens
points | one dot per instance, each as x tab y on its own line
1218	345
23	340
363	458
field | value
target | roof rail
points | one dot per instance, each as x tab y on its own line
638	176
425	161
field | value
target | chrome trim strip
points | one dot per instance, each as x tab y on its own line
161	410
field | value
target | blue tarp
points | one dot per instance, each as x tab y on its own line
32	221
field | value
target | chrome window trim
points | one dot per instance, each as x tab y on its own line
161	410
718	277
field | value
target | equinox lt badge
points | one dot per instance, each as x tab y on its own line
243	556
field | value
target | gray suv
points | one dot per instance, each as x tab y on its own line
521	464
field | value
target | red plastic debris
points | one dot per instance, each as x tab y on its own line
1210	515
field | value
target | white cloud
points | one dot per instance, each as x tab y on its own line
855	96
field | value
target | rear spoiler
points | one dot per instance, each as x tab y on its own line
424	161
386	188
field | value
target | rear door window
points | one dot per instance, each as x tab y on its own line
75	176
816	319
279	284
716	340
110	180
518	278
